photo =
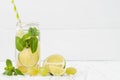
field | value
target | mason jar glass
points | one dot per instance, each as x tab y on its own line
27	42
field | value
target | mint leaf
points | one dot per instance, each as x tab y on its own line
8	63
7	72
36	31
19	44
33	31
18	72
34	44
6	68
26	36
26	40
10	70
27	43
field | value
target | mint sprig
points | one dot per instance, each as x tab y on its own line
33	31
29	40
10	70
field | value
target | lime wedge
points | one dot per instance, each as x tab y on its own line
55	60
56	64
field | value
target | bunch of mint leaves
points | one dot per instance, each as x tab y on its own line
10	70
29	40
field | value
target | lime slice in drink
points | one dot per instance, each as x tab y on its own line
56	71
20	33
27	58
55	60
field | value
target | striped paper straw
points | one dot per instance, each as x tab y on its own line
16	12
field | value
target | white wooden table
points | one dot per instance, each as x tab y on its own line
86	70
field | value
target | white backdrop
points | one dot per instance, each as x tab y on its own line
77	29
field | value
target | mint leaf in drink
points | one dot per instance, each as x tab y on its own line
27	43
8	63
34	44
26	40
33	31
29	40
26	36
36	31
19	44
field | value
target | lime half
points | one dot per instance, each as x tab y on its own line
55	60
27	58
56	71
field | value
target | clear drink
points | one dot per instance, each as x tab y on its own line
27	41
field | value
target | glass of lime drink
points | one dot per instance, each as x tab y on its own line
27	42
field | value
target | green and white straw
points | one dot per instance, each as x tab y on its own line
16	12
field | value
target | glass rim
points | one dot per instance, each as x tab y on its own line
23	24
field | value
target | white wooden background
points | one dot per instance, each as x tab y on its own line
77	29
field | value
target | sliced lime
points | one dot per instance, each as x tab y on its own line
33	71
55	60
57	71
27	59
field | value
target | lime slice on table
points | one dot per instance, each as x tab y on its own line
43	71
27	58
33	71
55	61
22	69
